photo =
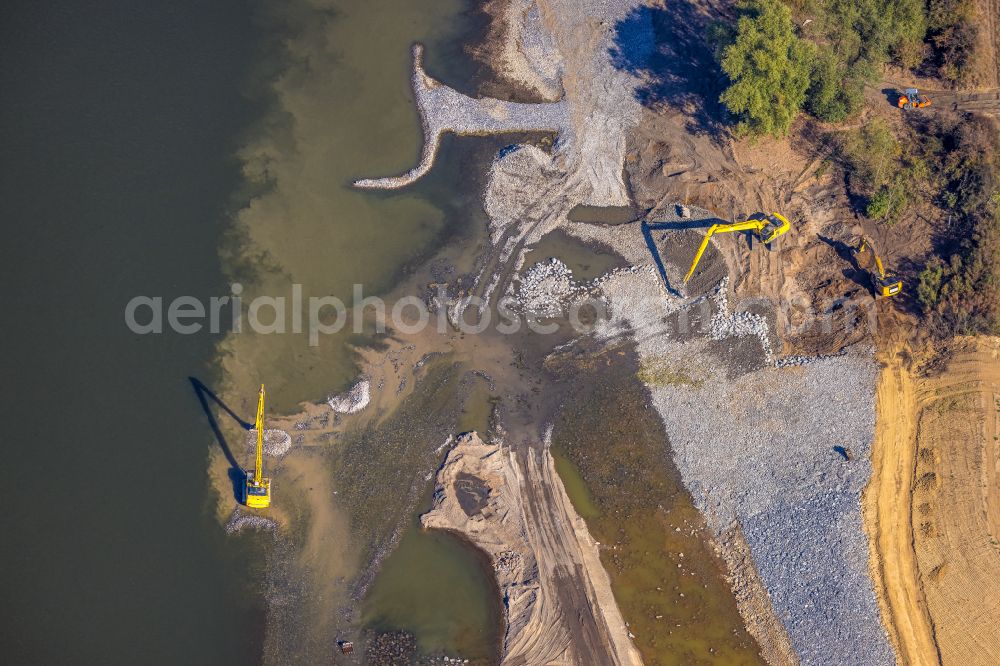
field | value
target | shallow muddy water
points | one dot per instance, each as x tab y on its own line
586	260
341	109
616	464
433	586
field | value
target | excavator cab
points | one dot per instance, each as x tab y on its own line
911	99
886	286
885	283
258	495
773	226
257	488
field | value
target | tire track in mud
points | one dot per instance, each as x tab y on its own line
887	510
956	501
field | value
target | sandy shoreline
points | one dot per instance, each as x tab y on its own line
513	506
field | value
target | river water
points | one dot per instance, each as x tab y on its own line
117	129
133	134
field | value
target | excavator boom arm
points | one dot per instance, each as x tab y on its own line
879	265
259	468
701	250
755	225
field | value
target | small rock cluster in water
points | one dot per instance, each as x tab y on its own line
545	287
354	400
276	442
240	521
390	648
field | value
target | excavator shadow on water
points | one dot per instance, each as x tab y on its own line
237	475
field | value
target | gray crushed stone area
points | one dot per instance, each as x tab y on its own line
759	442
760	450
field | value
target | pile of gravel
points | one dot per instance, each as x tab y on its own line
545	287
356	399
276	442
239	521
726	324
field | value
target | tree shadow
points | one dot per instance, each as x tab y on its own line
237	475
669	51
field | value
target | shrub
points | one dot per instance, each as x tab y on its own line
856	38
929	284
953	33
962	294
880	205
833	95
768	68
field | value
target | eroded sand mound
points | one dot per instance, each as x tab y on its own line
557	597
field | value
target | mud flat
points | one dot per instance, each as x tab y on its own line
558	602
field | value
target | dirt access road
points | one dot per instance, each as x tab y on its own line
934	505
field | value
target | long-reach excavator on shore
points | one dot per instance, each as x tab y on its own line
885	283
257	492
766	228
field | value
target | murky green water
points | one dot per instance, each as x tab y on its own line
342	109
614	459
434	587
575	486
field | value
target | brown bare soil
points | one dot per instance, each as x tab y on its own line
887	507
988	48
956	501
933	504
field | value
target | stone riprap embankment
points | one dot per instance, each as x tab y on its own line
444	109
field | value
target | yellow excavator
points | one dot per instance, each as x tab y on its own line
885	283
257	493
766	228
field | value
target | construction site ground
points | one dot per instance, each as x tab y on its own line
932	508
934	503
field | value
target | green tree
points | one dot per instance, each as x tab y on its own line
833	94
768	67
855	39
929	284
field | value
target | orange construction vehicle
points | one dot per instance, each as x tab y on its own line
911	99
